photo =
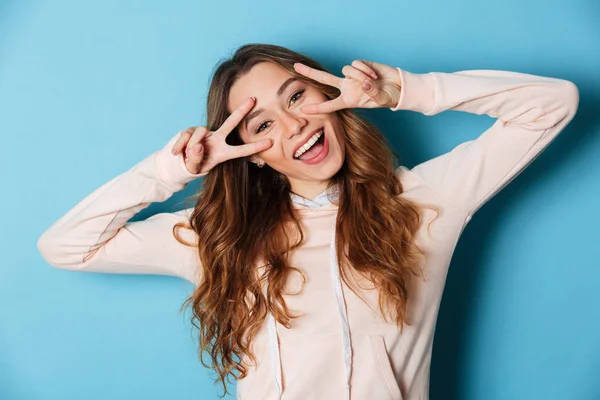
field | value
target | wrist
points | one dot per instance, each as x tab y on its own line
396	90
418	92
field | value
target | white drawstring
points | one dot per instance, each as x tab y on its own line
342	312
275	355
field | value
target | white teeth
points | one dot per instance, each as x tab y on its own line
308	144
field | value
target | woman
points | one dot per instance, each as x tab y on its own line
319	264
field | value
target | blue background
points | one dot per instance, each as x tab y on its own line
87	89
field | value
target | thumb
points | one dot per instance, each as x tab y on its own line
373	91
193	157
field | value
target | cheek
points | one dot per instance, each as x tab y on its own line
335	123
274	154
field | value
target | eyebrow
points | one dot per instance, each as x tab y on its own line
280	91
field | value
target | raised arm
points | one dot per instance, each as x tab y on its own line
95	236
530	110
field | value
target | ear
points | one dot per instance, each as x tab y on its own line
255	160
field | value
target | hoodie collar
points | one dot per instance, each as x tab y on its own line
324	198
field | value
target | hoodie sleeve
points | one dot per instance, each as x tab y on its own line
95	236
529	110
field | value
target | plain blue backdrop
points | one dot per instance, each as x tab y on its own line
87	89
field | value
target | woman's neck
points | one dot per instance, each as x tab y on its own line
309	190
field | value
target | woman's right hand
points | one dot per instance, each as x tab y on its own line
203	149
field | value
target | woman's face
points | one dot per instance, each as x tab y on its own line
276	115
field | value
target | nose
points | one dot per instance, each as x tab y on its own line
293	123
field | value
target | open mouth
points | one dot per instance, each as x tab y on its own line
312	147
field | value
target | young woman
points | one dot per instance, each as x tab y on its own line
318	262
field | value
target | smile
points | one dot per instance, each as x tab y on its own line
309	144
315	150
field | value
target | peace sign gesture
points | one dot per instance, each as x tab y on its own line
367	84
204	148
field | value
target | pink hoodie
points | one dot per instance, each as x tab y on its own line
340	348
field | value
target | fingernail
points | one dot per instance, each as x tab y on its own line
198	149
367	85
373	76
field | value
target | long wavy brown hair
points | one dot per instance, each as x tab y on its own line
245	222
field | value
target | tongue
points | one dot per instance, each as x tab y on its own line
313	151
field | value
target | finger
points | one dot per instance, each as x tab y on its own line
318	75
184	136
236	117
354	73
249	149
194	146
365	66
198	135
325	107
373	91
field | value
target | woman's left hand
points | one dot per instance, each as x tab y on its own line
367	84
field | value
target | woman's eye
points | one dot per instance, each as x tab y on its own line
297	95
262	127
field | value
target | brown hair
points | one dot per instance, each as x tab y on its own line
244	219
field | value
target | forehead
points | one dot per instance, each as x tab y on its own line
262	82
